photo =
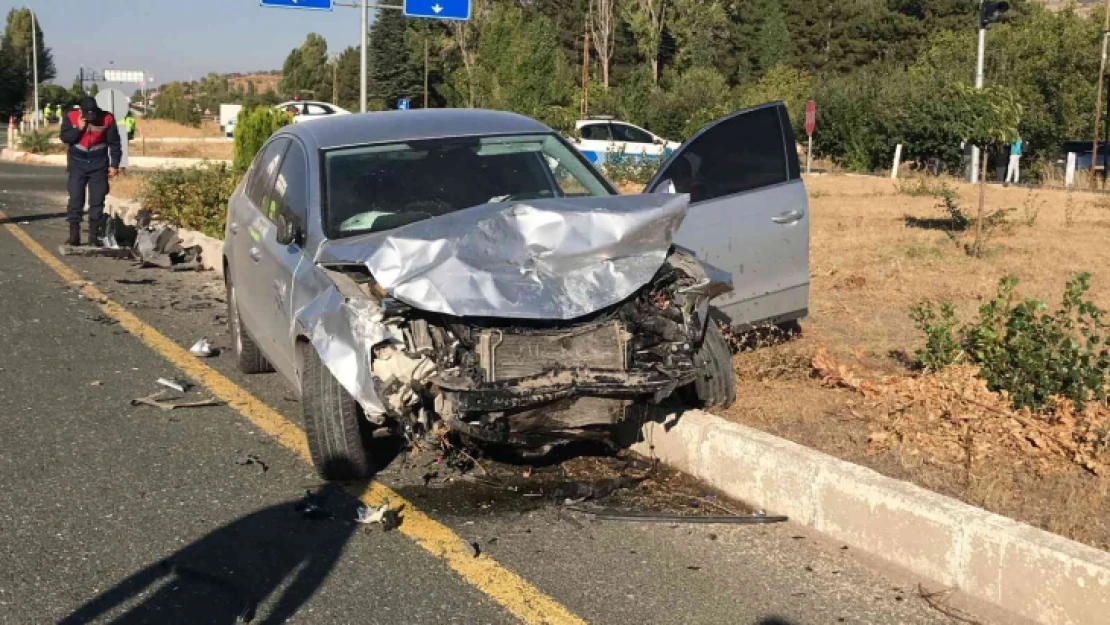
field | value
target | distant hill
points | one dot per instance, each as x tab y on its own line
263	81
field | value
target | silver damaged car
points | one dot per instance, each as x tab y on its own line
420	272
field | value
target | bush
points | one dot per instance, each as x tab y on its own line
36	142
194	198
1034	355
630	168
252	129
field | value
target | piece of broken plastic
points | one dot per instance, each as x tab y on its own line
181	386
201	348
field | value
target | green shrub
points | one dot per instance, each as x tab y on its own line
942	347
194	198
922	187
1023	349
630	168
949	201
252	129
36	142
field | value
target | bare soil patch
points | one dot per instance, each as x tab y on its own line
847	386
158	128
220	151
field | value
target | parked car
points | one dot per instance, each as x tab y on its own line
470	270
306	110
601	136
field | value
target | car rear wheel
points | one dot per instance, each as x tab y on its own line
247	352
716	386
331	421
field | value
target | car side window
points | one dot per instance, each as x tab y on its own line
316	109
290	194
737	154
596	132
263	170
631	134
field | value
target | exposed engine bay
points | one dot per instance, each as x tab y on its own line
531	383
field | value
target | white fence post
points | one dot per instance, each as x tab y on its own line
1069	173
897	162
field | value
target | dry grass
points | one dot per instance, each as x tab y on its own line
183	150
125	185
158	128
867	268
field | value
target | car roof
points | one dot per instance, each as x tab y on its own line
414	125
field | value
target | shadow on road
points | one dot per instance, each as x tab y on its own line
32	218
279	555
775	620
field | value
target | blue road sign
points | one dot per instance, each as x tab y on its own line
312	5
403	104
438	9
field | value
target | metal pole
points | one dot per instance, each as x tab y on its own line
1098	98
425	70
974	176
35	56
362	76
809	155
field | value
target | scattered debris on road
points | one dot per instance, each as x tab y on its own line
181	386
96	383
202	348
608	514
86	250
388	518
249	459
313	507
158	400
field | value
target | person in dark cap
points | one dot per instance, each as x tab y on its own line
95	152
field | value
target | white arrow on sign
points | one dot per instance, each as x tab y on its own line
437	8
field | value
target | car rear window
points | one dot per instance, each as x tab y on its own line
380	187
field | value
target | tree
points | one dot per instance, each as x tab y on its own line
602	26
94	90
773	43
13	80
77	90
18	33
647	18
173	105
392	76
56	95
306	69
253	130
701	30
466	35
350	63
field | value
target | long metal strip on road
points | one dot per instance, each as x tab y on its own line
514	593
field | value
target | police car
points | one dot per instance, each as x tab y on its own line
598	137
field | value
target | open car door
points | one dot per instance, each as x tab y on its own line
749	213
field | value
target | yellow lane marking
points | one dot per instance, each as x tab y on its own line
513	592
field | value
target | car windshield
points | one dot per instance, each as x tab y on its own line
380	187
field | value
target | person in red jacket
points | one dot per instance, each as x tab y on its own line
95	152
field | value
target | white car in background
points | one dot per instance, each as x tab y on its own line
598	137
308	110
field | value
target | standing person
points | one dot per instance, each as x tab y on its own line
1014	170
59	112
129	124
94	156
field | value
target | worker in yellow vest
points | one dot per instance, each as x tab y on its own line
129	124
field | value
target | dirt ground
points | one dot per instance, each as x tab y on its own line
847	387
222	150
162	128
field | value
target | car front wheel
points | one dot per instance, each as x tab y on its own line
716	386
331	421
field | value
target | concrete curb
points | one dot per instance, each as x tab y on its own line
134	162
1023	570
211	254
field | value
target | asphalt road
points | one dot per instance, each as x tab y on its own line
123	514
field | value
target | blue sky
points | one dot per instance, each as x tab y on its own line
179	39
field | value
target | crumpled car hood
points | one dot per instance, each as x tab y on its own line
553	259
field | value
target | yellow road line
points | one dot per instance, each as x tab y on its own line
511	591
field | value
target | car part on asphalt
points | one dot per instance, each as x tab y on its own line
383	515
181	386
161	247
202	348
167	404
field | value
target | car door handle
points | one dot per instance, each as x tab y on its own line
256	254
788	217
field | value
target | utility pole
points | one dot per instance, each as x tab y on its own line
989	13
426	68
1098	98
586	75
362	73
35	62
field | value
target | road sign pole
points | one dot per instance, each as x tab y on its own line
35	56
365	11
809	155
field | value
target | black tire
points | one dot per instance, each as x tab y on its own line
247	353
331	422
716	388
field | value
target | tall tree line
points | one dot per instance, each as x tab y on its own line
17	57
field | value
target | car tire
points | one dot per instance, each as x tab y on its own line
716	387
331	422
247	352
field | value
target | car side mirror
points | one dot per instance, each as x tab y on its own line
287	231
667	186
